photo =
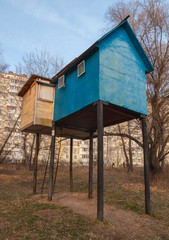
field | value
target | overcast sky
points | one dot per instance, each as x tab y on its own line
62	27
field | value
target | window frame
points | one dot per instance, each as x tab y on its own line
64	83
43	98
78	68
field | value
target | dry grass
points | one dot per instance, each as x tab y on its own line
22	216
161	179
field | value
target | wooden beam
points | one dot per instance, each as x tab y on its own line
146	167
103	102
90	189
100	129
45	83
52	157
66	126
71	160
35	164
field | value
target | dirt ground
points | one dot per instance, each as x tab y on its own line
127	224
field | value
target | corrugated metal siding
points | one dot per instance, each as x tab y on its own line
122	73
79	92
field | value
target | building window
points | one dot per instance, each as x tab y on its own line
61	82
85	149
14	87
81	68
10	100
11	108
75	150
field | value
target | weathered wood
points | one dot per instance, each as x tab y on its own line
28	107
146	167
44	111
100	202
90	189
52	156
35	164
36	111
71	160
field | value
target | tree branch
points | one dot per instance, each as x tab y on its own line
124	135
10	133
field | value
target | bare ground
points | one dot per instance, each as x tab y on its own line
121	224
126	224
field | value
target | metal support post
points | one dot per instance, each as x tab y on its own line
146	166
35	164
71	160
100	161
52	157
90	189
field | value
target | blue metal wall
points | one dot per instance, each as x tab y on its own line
122	72
79	92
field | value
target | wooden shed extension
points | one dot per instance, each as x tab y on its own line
37	105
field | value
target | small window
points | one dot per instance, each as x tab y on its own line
61	82
81	68
45	93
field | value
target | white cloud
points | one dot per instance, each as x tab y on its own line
71	17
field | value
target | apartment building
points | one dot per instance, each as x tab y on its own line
10	108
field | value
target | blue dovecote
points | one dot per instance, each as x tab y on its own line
115	68
105	85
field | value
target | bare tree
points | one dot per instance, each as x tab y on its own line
150	21
39	62
2	157
127	151
3	65
124	147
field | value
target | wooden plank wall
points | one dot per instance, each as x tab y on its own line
28	107
44	113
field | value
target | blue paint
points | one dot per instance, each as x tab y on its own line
135	42
79	91
122	72
114	73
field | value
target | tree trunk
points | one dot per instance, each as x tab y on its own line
124	148
154	163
